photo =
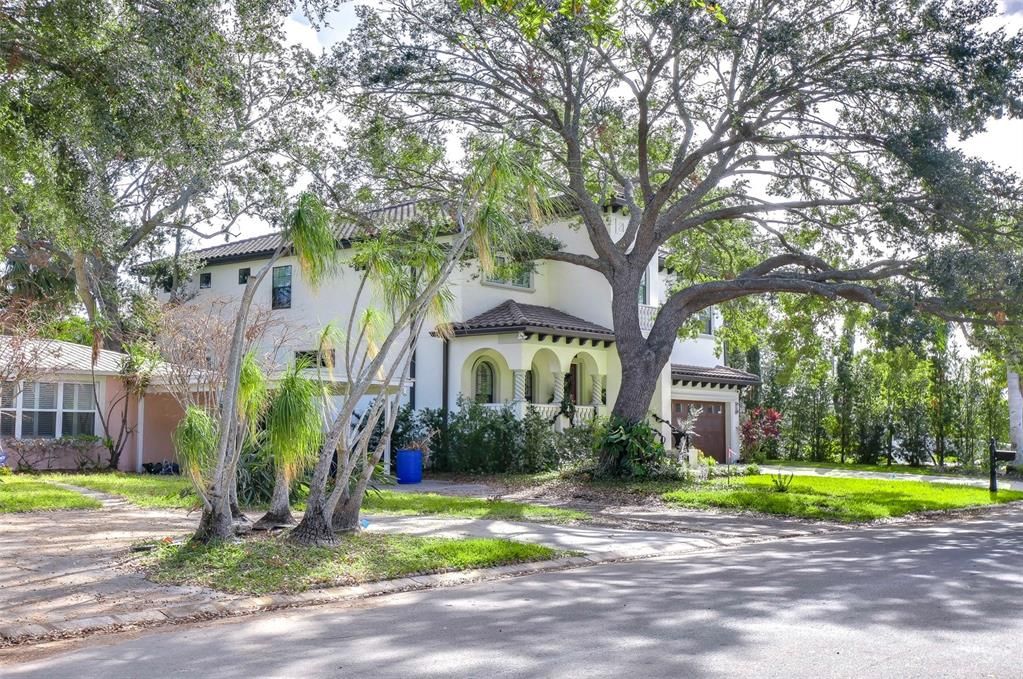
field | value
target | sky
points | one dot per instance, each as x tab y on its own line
1001	143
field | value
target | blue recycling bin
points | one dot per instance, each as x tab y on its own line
409	466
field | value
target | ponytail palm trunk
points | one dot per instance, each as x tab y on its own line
294	429
279	514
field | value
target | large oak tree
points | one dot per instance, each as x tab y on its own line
810	136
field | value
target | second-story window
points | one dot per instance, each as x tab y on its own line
313	356
517	279
644	288
706	318
243	275
205	280
281	289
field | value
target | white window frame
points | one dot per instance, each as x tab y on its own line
502	283
96	421
710	322
19	409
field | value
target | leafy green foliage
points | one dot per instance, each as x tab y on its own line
637	447
294	422
476	439
781	483
195	441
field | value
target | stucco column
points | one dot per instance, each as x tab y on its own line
518	386
597	395
559	386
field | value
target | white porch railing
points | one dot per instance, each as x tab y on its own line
548	411
647	314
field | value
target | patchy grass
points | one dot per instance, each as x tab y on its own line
29	494
144	490
393	502
882	468
269	564
837	499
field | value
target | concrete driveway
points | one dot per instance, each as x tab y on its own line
912	600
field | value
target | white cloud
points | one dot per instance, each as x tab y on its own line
299	33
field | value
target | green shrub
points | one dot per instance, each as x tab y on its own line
751	470
475	439
632	450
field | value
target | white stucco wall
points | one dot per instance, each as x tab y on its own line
572	289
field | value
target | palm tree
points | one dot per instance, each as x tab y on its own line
308	237
293	429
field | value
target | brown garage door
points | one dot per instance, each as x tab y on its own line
710	426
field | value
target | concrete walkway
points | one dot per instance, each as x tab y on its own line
63	565
600	542
1003	484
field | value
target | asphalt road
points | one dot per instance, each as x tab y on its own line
928	600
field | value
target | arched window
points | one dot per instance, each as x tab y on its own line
484	382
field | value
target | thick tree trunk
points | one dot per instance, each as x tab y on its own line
279	514
1016	412
314	530
642	360
636	391
215	525
346	515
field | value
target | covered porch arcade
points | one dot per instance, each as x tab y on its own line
519	355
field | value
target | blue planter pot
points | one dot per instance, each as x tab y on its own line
409	466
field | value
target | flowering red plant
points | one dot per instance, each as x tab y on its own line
762	425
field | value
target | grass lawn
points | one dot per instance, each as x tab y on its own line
29	494
883	468
392	502
264	565
836	498
144	490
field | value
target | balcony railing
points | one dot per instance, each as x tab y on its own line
647	314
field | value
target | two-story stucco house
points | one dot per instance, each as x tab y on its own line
532	340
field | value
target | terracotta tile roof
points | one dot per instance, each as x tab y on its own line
718	374
264	246
511	316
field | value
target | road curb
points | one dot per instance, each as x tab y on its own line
29	633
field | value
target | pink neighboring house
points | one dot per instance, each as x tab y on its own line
47	417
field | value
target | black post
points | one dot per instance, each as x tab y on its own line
993	487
